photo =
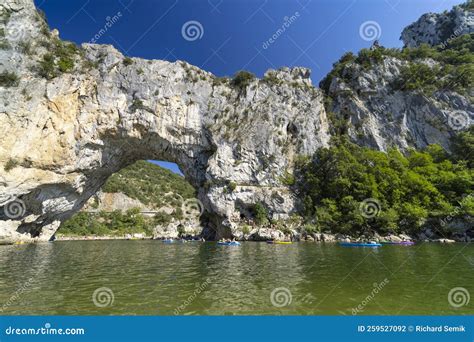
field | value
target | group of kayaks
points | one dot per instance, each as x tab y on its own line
225	243
236	243
375	244
220	243
343	244
179	240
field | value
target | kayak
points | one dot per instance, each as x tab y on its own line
233	243
280	242
403	243
168	241
359	244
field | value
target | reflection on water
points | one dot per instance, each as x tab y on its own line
152	278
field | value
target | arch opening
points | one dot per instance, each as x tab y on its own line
146	199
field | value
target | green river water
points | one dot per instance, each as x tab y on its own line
153	278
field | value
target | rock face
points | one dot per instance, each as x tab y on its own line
73	118
435	29
380	117
107	201
63	136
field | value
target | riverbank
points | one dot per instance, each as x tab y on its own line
99	238
272	234
316	238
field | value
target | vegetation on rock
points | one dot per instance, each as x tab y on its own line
127	61
10	165
404	191
453	68
150	184
260	214
115	223
242	79
61	58
8	79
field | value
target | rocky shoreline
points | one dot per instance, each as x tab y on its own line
99	238
264	234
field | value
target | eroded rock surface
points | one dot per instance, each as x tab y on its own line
380	116
439	28
63	136
74	117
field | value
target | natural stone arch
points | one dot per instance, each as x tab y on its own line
74	130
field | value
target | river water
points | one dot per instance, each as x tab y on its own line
153	278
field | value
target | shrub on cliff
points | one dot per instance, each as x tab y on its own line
418	76
242	79
8	79
260	214
60	59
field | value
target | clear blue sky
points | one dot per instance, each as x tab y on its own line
234	32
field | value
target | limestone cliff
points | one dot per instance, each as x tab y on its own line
439	28
70	117
378	111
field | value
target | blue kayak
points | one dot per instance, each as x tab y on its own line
233	243
168	241
359	244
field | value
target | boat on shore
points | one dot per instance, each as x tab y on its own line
359	244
